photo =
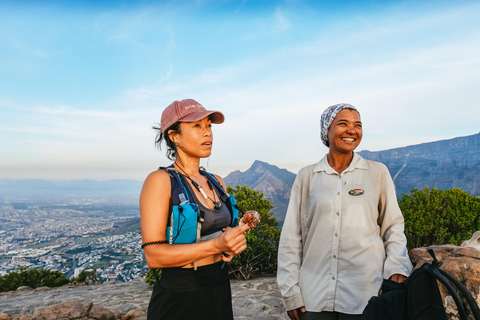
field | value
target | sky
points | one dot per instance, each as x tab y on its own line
83	82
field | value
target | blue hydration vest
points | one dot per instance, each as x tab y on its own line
185	217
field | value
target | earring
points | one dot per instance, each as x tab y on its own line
177	144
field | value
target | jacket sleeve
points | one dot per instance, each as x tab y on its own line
391	224
290	250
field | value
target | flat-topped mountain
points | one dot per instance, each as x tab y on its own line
445	164
275	183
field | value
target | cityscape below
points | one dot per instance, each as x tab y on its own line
72	234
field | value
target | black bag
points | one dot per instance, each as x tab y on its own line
418	297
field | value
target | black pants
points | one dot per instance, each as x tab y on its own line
187	294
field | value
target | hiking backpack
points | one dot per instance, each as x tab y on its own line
184	225
418	297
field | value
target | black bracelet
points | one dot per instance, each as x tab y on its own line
153	242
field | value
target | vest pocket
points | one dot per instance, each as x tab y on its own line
183	224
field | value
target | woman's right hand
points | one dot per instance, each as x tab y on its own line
232	242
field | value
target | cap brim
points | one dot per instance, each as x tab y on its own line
215	116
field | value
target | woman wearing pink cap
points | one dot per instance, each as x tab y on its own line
194	282
343	232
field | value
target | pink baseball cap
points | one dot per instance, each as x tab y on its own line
187	110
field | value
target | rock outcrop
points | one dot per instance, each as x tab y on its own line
72	310
474	242
462	262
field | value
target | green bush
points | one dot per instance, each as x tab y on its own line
33	278
436	217
262	242
153	275
88	277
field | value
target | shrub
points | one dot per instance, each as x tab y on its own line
152	276
435	217
88	277
33	278
262	242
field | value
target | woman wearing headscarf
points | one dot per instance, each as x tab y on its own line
343	232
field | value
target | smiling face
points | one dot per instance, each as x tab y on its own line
195	139
346	132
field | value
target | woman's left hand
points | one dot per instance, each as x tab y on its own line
398	278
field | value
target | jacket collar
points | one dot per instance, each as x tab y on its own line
357	163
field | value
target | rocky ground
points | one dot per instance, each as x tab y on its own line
257	299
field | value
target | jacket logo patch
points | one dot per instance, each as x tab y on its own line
356	192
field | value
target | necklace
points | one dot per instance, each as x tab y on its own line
216	204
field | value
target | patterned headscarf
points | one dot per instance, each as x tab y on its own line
327	119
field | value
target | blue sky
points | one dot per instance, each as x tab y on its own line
82	83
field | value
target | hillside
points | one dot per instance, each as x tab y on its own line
445	164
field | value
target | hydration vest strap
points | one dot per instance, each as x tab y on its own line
176	182
215	182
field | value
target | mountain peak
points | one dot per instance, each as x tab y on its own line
273	182
258	162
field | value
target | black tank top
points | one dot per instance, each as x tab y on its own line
213	221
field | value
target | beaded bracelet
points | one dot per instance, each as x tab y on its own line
153	242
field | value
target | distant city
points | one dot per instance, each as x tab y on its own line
72	234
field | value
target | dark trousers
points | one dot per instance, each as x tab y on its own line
325	315
186	294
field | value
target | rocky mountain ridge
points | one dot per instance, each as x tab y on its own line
275	183
445	164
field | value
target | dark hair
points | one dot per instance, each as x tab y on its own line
171	148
